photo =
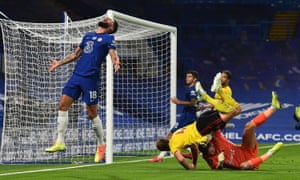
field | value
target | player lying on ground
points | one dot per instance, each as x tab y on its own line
221	153
228	103
192	135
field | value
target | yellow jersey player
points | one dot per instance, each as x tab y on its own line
191	136
188	114
223	100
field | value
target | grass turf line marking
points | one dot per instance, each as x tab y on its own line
102	164
64	168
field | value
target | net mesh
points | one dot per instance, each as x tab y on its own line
141	91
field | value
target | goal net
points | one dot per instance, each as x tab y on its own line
134	103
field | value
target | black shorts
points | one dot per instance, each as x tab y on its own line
209	121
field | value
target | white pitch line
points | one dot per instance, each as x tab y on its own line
64	168
91	165
288	144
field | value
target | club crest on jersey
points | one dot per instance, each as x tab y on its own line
89	47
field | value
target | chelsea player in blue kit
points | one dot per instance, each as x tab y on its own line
92	51
188	114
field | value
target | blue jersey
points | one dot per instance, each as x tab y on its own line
85	79
95	48
189	112
190	93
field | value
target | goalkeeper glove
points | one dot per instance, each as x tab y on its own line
220	160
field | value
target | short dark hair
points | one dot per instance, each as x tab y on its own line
204	149
163	144
194	73
228	73
115	27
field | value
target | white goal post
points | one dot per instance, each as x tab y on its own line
134	103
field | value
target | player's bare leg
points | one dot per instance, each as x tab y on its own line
202	95
255	162
249	137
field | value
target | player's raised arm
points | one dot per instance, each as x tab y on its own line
71	57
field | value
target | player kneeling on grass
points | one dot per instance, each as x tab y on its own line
220	153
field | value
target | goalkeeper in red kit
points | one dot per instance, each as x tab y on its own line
221	153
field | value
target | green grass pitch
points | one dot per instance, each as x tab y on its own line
284	165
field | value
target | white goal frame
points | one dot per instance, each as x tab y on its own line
67	42
109	76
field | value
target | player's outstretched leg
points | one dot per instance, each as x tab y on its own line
217	84
159	158
57	146
156	159
275	101
275	148
100	153
255	162
203	96
200	91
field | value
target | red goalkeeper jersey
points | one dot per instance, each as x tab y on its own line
234	154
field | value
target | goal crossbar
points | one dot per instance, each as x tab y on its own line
134	103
